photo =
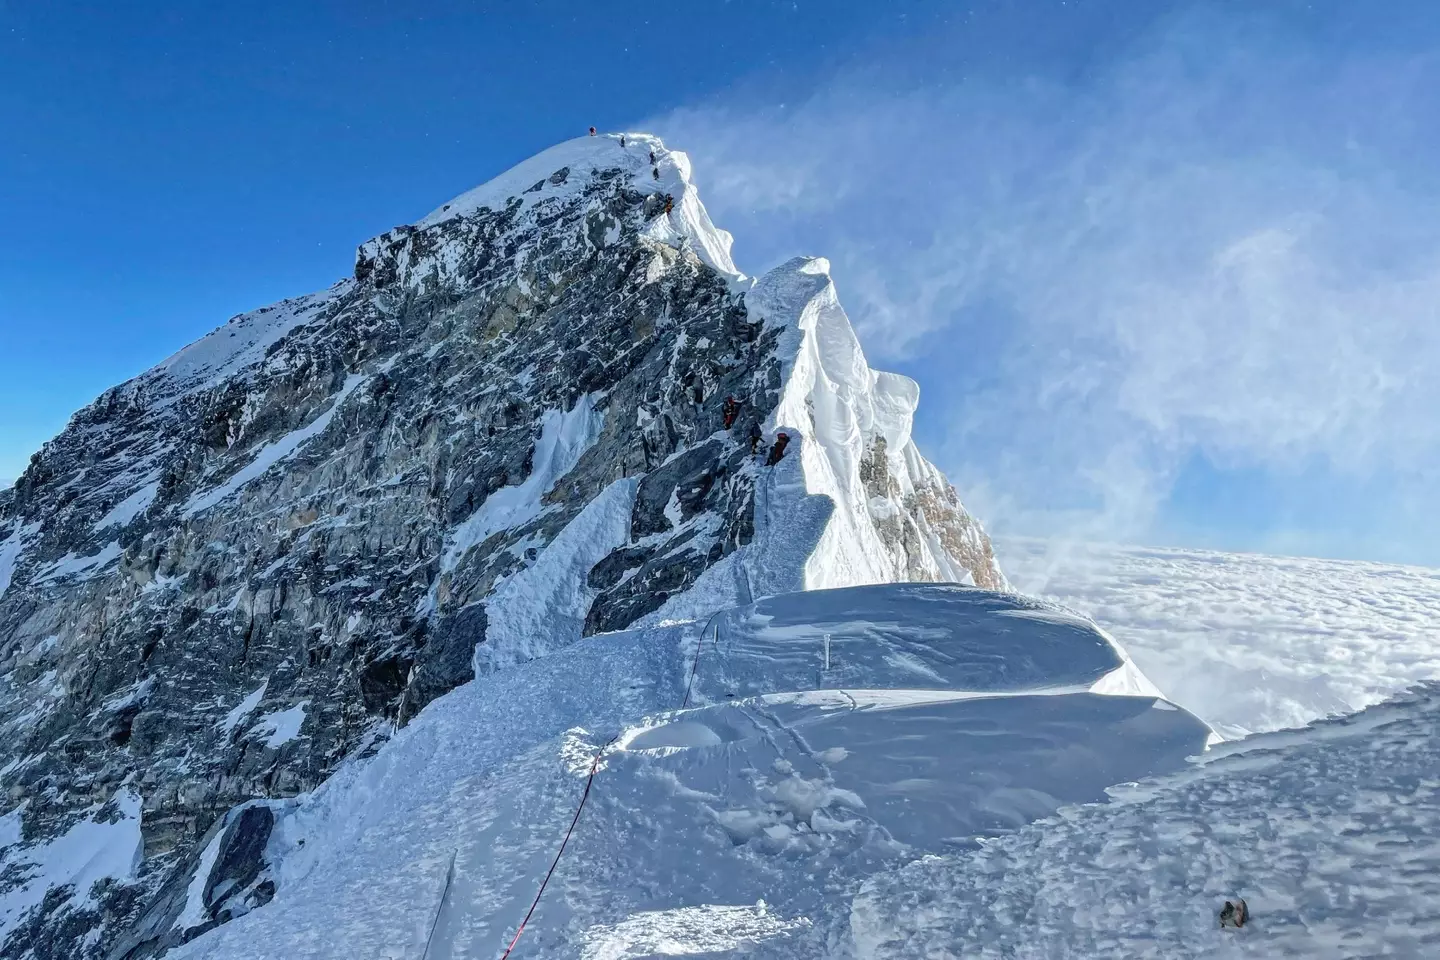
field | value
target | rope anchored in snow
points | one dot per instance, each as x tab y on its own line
695	665
589	782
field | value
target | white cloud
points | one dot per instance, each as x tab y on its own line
1225	243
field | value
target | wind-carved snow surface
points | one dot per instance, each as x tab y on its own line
817	522
1331	834
945	712
686	931
1250	643
543	607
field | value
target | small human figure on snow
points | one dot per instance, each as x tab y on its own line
655	172
730	411
592	131
669	204
755	437
622	139
1234	914
652	158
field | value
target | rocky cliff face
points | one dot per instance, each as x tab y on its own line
505	432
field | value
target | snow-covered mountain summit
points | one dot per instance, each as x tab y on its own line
250	565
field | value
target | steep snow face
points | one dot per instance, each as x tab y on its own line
505	433
1331	834
895	517
744	823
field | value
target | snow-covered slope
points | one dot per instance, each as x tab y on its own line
1249	642
250	565
1331	834
896	517
740	826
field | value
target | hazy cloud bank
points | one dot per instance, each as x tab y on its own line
1224	243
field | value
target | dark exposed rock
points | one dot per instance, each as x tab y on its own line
232	881
266	526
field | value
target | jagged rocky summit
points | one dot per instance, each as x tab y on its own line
505	432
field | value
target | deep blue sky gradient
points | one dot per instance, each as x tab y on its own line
164	166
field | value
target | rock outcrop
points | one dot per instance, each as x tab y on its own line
253	562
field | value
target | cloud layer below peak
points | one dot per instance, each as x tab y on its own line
1220	246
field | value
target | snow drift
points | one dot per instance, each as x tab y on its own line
735	826
1330	833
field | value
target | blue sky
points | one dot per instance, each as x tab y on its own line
1166	271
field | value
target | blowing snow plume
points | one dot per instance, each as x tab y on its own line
1160	241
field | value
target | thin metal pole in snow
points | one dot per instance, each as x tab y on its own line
827	653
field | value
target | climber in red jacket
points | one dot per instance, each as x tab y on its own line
777	449
730	411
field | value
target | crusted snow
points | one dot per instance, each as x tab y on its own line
543	606
243	709
131	507
938	717
274	452
89	851
708	928
565	435
1331	835
1249	642
281	726
777	787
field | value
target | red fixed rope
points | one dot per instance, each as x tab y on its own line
594	769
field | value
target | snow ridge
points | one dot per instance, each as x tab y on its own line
895	517
506	435
754	811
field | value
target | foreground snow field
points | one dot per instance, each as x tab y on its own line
1249	642
1331	834
742	825
312	634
